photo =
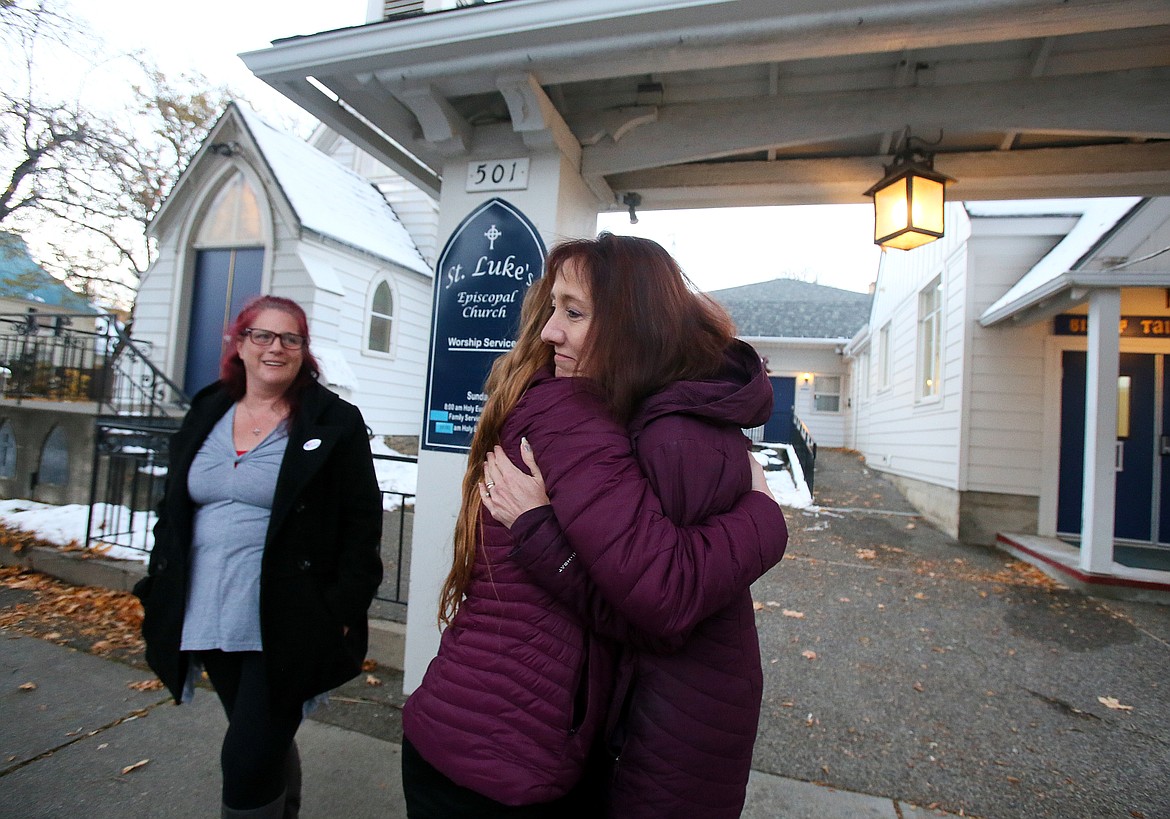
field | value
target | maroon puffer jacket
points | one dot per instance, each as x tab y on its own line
513	701
684	722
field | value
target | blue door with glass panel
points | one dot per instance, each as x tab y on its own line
778	429
1163	455
224	281
1139	516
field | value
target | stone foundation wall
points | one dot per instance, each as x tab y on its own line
31	424
971	517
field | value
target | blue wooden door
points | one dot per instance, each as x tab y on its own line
1163	456
778	429
1135	508
224	281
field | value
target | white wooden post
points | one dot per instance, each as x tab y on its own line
1100	482
560	204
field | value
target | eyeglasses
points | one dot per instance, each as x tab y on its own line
264	338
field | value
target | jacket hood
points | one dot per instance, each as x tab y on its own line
738	394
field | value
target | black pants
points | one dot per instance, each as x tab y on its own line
431	795
258	737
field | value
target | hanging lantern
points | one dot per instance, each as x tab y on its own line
908	202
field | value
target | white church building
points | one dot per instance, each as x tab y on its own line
1013	382
262	211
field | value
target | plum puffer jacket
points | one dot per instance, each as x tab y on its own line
516	696
686	707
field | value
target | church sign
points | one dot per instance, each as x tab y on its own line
1068	324
481	277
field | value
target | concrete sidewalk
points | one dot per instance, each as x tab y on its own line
67	742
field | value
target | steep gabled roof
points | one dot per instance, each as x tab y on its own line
330	199
22	278
787	308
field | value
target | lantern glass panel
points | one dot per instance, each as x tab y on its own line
927	204
890	209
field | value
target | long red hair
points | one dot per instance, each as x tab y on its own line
231	367
649	328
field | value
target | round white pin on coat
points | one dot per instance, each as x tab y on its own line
312	444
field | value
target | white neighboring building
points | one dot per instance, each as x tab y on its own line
260	211
800	329
992	371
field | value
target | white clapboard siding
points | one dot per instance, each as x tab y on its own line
1006	386
896	430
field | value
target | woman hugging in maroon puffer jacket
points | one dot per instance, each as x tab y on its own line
614	616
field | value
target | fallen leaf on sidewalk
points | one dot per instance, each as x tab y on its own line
866	554
98	620
29	686
372	680
135	766
1114	703
799	615
808	655
145	685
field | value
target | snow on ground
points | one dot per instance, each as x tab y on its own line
66	525
395	478
789	488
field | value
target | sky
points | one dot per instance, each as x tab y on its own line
65	526
828	244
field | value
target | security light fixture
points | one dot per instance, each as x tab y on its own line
908	202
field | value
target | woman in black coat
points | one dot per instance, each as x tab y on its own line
265	558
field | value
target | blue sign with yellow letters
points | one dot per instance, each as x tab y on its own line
481	277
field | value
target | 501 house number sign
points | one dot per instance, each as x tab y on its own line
498	175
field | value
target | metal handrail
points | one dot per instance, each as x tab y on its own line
45	356
806	449
155	387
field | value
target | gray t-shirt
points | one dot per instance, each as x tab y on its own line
233	497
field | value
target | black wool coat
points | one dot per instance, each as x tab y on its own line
320	567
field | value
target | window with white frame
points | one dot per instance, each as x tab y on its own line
930	339
234	218
7	451
827	393
381	318
885	362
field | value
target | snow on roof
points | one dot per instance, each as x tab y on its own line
1098	216
332	200
335	370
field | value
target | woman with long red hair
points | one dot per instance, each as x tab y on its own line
265	556
510	711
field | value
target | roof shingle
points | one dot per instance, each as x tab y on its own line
788	308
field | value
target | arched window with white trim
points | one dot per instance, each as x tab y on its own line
380	337
55	459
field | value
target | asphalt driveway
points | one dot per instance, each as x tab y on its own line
899	662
